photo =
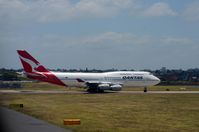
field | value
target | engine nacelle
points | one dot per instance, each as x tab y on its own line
115	87
104	86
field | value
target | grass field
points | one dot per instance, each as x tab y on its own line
47	86
113	111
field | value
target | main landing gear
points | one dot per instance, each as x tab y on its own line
95	90
145	89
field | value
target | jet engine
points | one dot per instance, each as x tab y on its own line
104	86
115	87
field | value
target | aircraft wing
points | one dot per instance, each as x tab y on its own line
102	85
97	82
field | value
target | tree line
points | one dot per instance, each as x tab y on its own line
167	76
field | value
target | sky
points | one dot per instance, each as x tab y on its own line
101	34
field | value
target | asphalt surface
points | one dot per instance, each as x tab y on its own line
13	121
84	92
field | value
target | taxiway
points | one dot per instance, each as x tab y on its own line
84	92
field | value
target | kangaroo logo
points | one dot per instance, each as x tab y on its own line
34	67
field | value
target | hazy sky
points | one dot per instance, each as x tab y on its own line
102	34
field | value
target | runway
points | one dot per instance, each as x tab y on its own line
13	121
85	92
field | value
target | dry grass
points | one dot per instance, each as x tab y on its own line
115	111
47	86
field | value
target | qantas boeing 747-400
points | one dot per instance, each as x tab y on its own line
95	82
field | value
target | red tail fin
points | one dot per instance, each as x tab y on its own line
34	70
29	63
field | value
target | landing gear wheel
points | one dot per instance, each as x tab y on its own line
100	91
92	90
145	89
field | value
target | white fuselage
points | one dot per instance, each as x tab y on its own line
123	78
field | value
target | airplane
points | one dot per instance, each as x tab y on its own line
95	82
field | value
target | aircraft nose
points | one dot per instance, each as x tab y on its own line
157	80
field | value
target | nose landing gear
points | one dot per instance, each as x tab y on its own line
145	89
